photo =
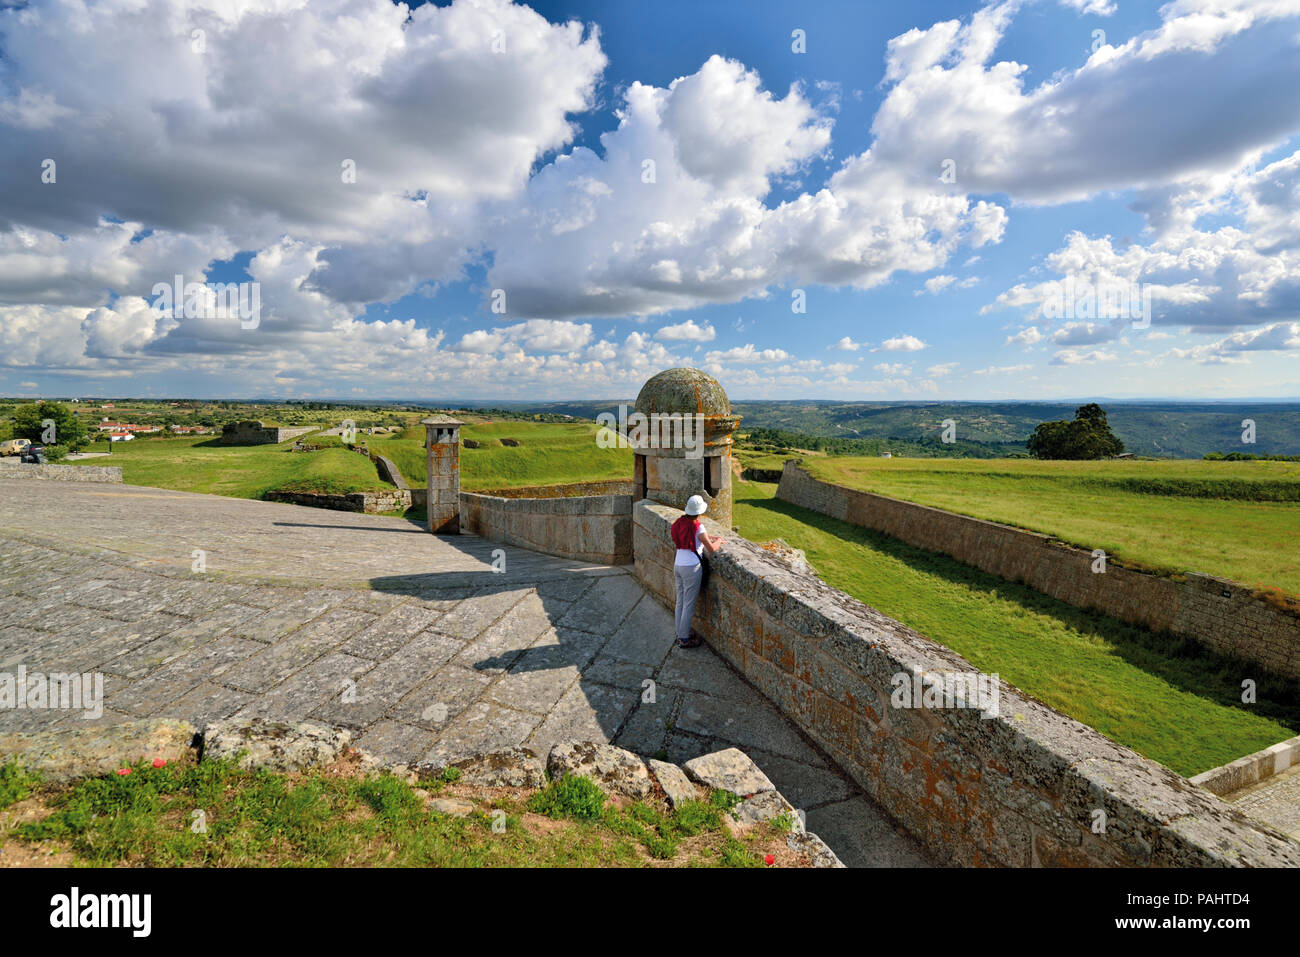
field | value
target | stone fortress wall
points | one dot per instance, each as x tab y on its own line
253	432
1221	615
1026	787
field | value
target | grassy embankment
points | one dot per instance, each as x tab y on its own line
198	464
547	454
1170	703
1237	520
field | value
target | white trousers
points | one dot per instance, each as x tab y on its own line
688	589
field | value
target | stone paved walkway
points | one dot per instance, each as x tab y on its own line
370	623
1275	801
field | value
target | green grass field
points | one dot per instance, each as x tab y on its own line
1175	705
548	454
1237	520
196	464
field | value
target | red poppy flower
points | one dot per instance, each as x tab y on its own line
159	762
769	860
124	771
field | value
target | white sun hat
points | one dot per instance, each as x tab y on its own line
695	505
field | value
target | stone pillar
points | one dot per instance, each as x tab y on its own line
442	463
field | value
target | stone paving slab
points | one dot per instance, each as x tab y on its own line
442	698
1275	801
410	640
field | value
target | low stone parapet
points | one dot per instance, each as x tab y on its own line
590	528
1251	769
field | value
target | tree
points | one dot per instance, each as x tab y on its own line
31	422
1088	436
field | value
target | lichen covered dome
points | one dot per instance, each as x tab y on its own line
683	390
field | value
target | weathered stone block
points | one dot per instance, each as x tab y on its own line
614	770
70	754
677	786
275	745
731	770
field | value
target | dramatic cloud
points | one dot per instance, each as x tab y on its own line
158	137
351	153
670	218
1131	116
248	126
1208	280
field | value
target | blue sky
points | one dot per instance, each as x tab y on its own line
929	179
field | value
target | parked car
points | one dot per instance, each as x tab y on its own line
14	446
33	454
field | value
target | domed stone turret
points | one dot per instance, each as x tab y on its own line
683	390
683	446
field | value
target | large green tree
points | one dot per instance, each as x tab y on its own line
1087	436
31	421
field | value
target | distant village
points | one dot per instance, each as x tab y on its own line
117	431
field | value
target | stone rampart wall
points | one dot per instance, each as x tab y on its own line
1221	615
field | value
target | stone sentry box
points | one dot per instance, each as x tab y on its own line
671	465
442	465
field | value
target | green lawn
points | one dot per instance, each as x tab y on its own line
1237	520
196	464
548	454
1175	705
